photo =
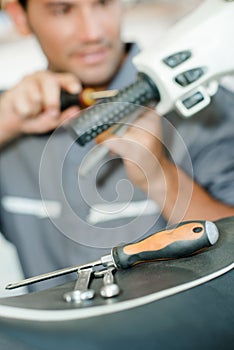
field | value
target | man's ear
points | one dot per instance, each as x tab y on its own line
19	17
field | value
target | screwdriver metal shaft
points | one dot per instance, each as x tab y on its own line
105	261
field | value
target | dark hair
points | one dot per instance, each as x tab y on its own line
23	3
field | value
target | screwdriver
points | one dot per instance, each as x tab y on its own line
178	241
87	97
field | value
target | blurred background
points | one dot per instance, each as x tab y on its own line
145	22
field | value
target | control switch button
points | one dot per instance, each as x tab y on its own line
190	76
193	100
176	59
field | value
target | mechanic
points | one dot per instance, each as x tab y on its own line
162	170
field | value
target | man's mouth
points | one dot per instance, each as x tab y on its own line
91	57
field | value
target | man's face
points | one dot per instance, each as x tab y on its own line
79	36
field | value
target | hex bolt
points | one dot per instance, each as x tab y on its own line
110	288
81	291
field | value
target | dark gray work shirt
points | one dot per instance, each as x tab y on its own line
57	218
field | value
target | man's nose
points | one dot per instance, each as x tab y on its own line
90	28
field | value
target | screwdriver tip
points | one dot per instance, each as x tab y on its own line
9	286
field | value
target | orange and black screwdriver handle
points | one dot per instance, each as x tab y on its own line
178	241
83	99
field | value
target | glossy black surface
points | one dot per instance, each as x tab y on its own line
198	318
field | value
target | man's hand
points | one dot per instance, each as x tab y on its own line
177	194
142	151
33	105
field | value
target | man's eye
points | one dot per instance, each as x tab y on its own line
61	10
105	2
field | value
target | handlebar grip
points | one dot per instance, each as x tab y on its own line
100	117
177	241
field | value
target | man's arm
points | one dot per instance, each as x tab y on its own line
182	198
